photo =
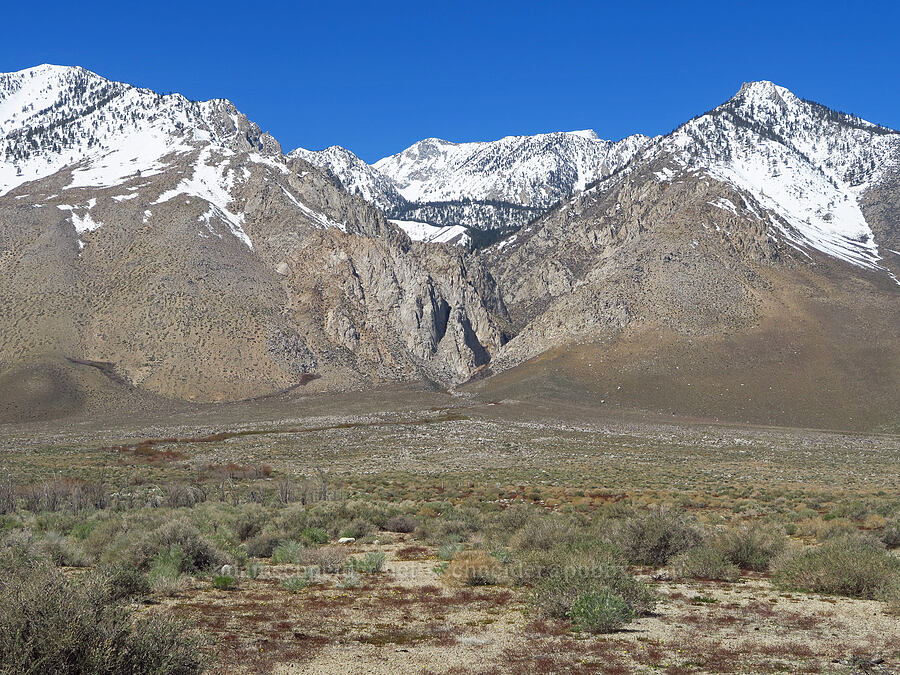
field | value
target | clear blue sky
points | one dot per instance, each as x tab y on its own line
378	76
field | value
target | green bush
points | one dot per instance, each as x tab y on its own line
655	537
349	580
370	563
61	550
704	562
316	536
295	584
850	567
288	552
600	612
124	581
543	533
165	575
750	547
357	529
223	582
198	554
555	595
51	624
249	522
254	570
49	546
528	567
448	551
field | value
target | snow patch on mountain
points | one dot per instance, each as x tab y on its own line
212	183
434	234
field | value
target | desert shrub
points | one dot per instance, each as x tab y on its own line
654	537
357	529
49	546
704	562
555	595
448	551
850	567
249	523
349	580
103	536
750	547
370	563
8	523
526	568
454	525
262	545
401	523
198	553
253	570
56	625
837	528
288	552
330	559
892	596
316	536
61	550
165	576
183	494
543	533
890	535
123	581
7	496
474	568
295	584
58	495
600	611
224	582
18	547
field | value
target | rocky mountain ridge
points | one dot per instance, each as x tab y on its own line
482	186
173	240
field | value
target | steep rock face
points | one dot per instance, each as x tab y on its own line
203	264
357	177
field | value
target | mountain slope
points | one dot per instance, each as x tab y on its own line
357	177
739	237
174	241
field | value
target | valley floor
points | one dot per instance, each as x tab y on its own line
427	455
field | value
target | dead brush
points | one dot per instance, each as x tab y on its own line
329	559
473	568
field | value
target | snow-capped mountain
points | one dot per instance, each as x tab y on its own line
57	116
805	165
356	176
173	239
483	186
533	171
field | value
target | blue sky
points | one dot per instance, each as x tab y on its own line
378	76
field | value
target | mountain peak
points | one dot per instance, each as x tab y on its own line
764	92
